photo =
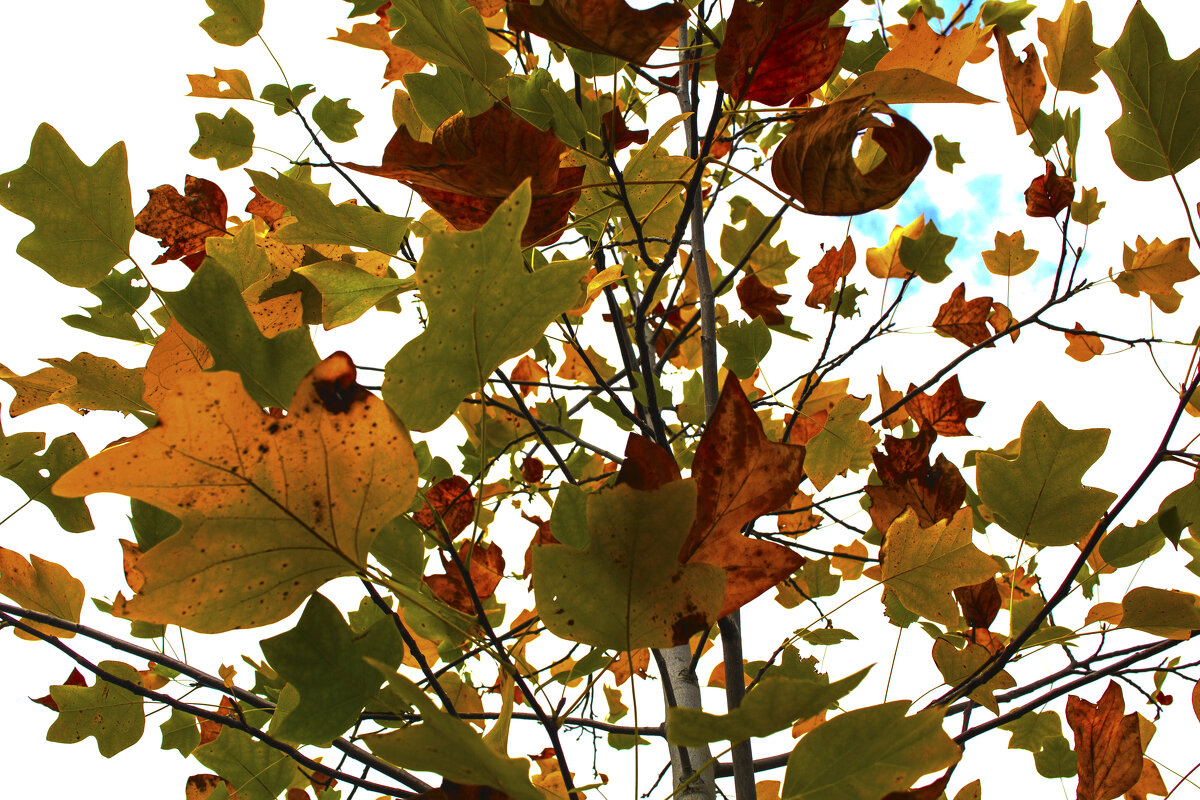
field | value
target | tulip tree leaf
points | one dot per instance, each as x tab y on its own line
484	308
111	713
82	216
228	139
336	119
233	22
21	463
348	292
1038	495
256	770
180	733
41	585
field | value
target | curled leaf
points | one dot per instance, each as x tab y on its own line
1048	194
611	27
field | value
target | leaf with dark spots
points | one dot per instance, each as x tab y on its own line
267	518
449	501
611	27
740	475
341	391
182	223
908	481
484	563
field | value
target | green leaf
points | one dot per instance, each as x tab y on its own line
568	518
82	216
956	665
484	308
319	221
241	257
866	753
1158	132
1086	210
348	292
256	770
1167	613
285	99
329	678
861	57
151	525
362	7
772	705
746	345
336	119
211	308
845	301
1126	546
180	733
1038	496
1041	734
20	463
1007	16
845	443
447	746
1056	759
441	95
926	254
114	317
111	713
638	594
769	263
1045	130
229	139
946	154
447	34
233	22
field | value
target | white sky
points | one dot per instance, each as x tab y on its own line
121	76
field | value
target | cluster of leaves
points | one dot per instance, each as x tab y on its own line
562	236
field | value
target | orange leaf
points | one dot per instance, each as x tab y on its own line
834	265
946	410
777	50
964	320
915	45
1001	319
611	27
449	500
801	520
181	223
1082	346
888	397
527	371
1108	746
1048	194
265	209
484	562
377	36
1023	81
1155	268
759	300
176	354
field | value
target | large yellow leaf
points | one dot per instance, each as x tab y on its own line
1155	268
272	508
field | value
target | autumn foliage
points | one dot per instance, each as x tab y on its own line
613	453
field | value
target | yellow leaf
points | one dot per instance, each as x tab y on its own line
1155	268
40	585
884	262
917	46
1009	257
1070	52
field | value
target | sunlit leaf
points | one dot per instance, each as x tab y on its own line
111	713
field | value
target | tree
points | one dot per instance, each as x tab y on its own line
565	278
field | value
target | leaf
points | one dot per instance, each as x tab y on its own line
82	216
1170	614
827	275
35	474
746	344
962	319
211	308
484	308
111	713
906	85
759	300
1070	53
1006	16
271	508
285	99
923	566
348	292
319	221
844	443
485	564
1082	346
884	262
40	585
907	480
473	165
180	733
639	595
1048	194
1087	209
225	84
777	50
254	769
957	665
182	223
1158	132
774	704
925	254
233	22
332	672
610	27
1024	83
916	45
447	746
1107	745
946	153
119	301
336	119
85	383
1155	268
740	475
868	752
946	410
1038	496
228	139
377	36
446	34
815	161
1009	257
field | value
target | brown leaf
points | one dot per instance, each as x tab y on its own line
759	300
1048	194
648	465
740	475
377	36
964	320
1001	319
1150	782
627	664
802	520
1082	346
946	410
815	161
1108	746
451	501
827	275
1024	82
930	791
907	480
888	397
199	787
617	134
484	562
532	470
778	50
980	603
611	27
540	537
474	164
265	209
181	223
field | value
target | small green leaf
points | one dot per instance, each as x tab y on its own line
1056	759
151	525
746	345
861	57
228	139
1126	546
1086	210
336	119
348	292
180	733
1007	16
1161	612
114	317
926	254
448	35
82	216
111	713
1045	130
20	464
285	99
845	443
233	22
946	154
446	92
256	770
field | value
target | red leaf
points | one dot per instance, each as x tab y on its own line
740	475
610	27
1108	745
759	300
964	320
181	223
777	50
540	537
474	164
617	134
451	501
907	480
486	567
828	273
946	410
1048	194
532	470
